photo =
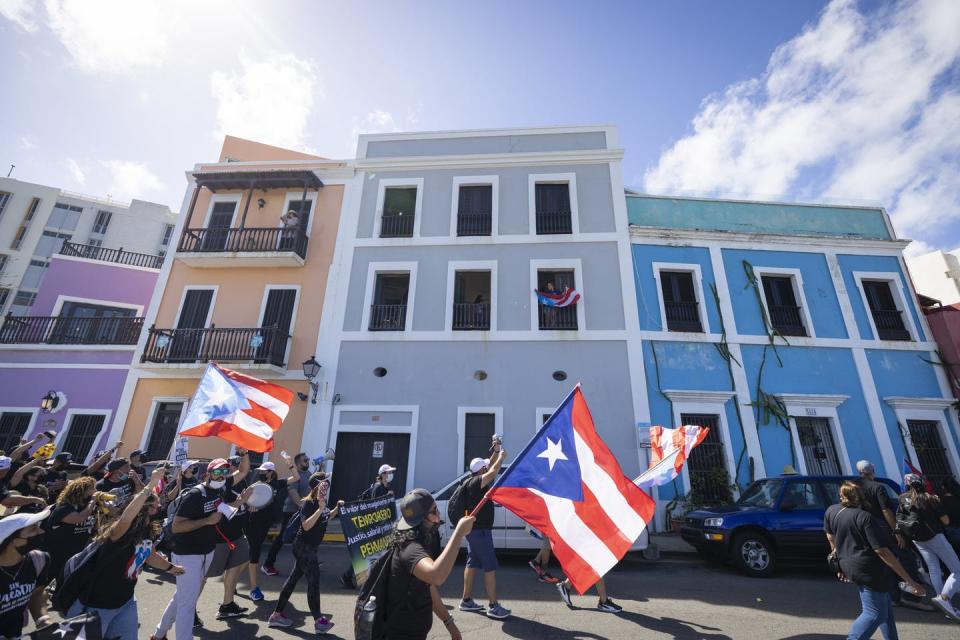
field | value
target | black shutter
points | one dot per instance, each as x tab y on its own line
196	305
478	431
83	431
13	426
164	430
279	309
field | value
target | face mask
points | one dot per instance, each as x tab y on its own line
31	543
389	477
263	477
217	484
122	477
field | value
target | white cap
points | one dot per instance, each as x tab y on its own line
5	462
385	468
188	463
11	524
267	466
478	463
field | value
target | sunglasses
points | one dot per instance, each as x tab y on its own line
220	472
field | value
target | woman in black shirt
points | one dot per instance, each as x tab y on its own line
72	523
22	571
33	485
260	521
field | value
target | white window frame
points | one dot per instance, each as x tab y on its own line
34	411
183	298
470	265
293	319
496	412
290	196
710	403
796	279
214	199
895	282
412	428
926	409
560	264
538	418
817	406
61	299
695	271
374	268
553	178
67	424
381	197
475	181
152	416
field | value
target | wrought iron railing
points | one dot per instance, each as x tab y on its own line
557	317
550	222
474	224
682	316
396	226
66	330
787	320
474	316
246	240
388	317
118	256
259	345
889	323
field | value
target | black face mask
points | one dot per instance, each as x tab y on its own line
35	542
263	477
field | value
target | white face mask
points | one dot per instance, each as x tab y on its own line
217	484
389	477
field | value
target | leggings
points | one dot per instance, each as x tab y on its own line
307	565
256	534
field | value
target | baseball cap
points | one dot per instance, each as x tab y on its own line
414	508
64	456
186	464
5	462
137	452
9	525
385	468
478	463
233	461
317	478
267	466
117	464
217	463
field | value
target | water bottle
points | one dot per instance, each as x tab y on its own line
364	628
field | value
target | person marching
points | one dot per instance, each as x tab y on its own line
296	491
120	482
72	524
539	565
379	488
23	569
230	558
262	518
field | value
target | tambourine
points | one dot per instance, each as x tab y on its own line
261	495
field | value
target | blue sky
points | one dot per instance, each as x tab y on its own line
803	100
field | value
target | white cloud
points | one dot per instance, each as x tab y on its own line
21	12
917	248
376	121
852	108
269	99
130	180
73	167
27	144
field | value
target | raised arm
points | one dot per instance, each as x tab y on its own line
494	469
133	508
80	516
436	572
18	453
244	467
22	471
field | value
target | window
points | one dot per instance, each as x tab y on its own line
475	210
13	426
25	224
85	323
399	212
276	320
217	233
24	298
478	430
81	434
164	430
33	275
784	312
553	212
50	243
819	449
707	466
931	454
167	234
556	281
389	309
680	306
95	242
3	261
5	197
4	294
802	495
471	301
102	222
887	316
64	217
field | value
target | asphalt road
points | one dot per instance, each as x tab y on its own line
677	597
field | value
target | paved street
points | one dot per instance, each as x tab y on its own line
677	597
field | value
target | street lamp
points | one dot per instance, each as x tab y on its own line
49	402
310	370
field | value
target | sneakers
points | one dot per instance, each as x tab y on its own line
542	574
564	594
231	610
322	626
944	605
269	570
497	612
469	605
537	569
256	595
197	622
609	606
277	619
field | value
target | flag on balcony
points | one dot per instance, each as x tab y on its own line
237	408
567	485
669	450
563	298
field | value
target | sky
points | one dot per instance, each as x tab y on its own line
808	100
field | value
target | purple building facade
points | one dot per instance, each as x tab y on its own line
76	347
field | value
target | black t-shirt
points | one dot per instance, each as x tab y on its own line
856	534
473	494
315	535
409	607
16	586
25	489
117	567
929	516
234	527
123	490
65	539
876	499
199	503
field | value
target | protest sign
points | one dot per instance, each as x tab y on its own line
367	528
181	451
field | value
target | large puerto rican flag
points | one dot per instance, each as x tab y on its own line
568	485
237	408
669	450
563	298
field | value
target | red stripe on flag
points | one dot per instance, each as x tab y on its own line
282	394
263	414
231	433
600	523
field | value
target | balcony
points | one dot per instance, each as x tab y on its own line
117	256
555	318
60	330
396	226
474	224
243	247
549	223
471	316
787	320
683	316
261	346
388	317
889	323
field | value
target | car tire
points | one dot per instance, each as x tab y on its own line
753	554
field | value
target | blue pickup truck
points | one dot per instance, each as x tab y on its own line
775	519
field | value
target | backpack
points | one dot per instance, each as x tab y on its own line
75	578
368	492
370	612
911	522
457	505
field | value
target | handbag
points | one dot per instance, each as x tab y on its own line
833	558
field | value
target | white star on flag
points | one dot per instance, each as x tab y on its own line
553	452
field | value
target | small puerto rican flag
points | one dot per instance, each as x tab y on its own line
563	298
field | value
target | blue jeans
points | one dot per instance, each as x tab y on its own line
119	623
877	612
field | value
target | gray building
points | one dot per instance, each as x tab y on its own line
432	337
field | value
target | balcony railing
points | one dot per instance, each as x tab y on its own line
682	316
258	345
557	317
474	224
65	330
787	320
889	323
396	226
554	222
118	256
471	316
388	317
246	240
